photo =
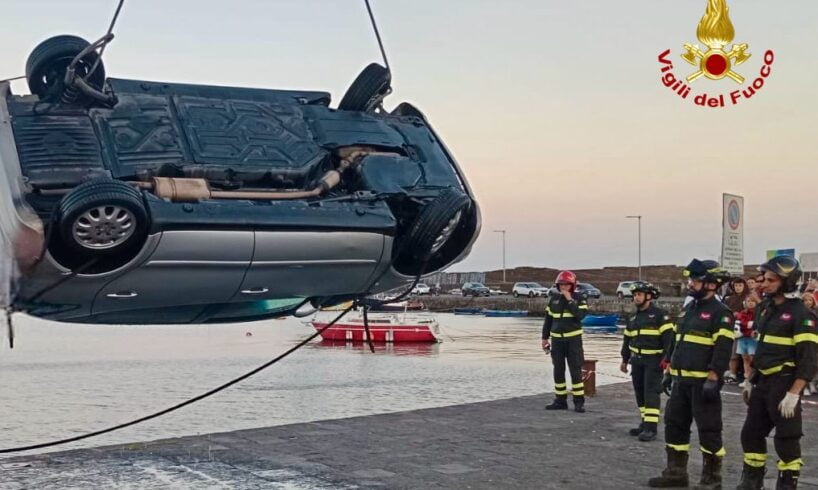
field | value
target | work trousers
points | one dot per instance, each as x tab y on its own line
763	416
685	405
568	351
647	386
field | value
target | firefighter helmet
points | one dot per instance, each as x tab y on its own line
645	287
787	268
706	271
566	277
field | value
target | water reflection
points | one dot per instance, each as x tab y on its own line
396	348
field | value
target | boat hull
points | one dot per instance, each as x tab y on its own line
355	332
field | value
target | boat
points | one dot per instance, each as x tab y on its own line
609	320
468	311
388	328
506	313
599	329
399	306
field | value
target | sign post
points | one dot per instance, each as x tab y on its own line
732	237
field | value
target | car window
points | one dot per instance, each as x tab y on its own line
478	285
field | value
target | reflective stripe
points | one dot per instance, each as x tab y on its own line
572	333
794	465
560	392
688	374
644	351
679	447
578	392
650	331
578	385
806	337
560	315
560	385
775	339
652	419
695	339
630	333
775	369
641	409
721	452
723	332
583	307
664	328
652	411
755	460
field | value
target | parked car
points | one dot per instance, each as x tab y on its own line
530	289
132	202
475	289
421	288
623	290
497	292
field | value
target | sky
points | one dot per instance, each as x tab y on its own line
554	109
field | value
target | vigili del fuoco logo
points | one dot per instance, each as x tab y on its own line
715	62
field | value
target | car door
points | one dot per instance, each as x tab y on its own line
189	269
290	264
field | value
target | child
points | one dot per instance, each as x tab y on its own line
746	344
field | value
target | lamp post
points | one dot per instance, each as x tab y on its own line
639	222
504	252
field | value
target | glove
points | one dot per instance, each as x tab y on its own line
710	390
747	391
667	384
546	346
663	364
788	404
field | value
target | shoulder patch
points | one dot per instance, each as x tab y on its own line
809	322
666	318
725	319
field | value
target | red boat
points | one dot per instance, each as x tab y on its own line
382	329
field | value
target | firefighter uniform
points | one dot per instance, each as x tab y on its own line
648	341
563	326
786	352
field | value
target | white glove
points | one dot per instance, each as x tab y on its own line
747	391
788	404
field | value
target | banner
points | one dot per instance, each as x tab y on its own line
732	236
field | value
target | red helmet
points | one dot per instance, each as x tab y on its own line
567	277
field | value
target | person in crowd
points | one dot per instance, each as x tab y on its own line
746	344
810	302
737	293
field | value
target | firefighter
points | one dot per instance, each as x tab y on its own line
563	316
784	363
647	344
704	337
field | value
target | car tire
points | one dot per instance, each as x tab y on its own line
620	295
436	223
531	294
515	294
368	89
102	218
48	62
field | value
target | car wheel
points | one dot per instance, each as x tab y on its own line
620	295
431	230
515	294
368	89
531	294
48	62
102	218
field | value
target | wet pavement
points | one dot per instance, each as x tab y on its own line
509	443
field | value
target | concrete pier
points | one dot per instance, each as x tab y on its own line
510	443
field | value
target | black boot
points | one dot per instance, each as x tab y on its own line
637	430
711	473
647	435
752	478
787	480
559	403
579	404
675	475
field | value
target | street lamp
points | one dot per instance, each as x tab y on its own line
504	252
639	221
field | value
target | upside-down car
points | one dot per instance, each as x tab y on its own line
132	202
